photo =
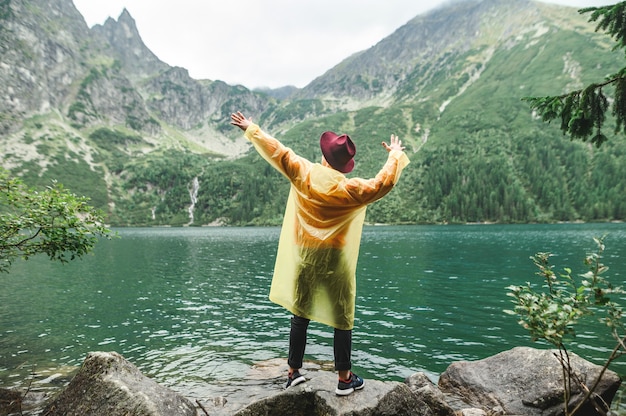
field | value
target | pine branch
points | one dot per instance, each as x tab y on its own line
612	20
583	112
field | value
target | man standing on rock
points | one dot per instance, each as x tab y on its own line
315	270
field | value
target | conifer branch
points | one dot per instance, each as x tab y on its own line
583	112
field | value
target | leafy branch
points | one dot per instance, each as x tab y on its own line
552	313
53	221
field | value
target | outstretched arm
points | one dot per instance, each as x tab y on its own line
365	191
239	120
280	157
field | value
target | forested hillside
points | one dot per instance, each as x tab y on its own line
450	83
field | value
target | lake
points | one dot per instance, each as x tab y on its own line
189	306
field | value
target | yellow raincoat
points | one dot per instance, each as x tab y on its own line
315	271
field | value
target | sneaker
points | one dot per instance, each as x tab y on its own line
345	388
294	379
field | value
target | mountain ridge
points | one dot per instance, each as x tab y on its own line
97	110
122	34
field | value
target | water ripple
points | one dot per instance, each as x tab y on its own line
189	307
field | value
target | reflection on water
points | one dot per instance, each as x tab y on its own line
189	306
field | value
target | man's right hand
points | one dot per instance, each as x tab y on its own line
395	144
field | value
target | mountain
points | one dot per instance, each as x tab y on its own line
95	109
104	76
138	62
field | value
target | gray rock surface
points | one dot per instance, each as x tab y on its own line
421	385
263	393
108	385
523	381
317	397
10	401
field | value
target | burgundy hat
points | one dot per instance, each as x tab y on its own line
338	151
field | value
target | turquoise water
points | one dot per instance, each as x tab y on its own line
189	306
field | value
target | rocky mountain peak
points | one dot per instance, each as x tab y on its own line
428	43
128	47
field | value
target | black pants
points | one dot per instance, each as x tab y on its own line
342	345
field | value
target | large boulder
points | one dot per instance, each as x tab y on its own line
524	381
263	393
107	385
427	391
317	397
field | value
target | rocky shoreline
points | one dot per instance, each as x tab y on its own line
521	381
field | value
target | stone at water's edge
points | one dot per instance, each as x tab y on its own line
10	401
317	397
108	385
524	381
421	385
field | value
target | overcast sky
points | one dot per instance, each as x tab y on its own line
265	43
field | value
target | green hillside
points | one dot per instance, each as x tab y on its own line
449	83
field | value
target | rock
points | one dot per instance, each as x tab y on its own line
263	393
472	412
10	401
108	385
128	47
263	380
317	397
17	402
523	381
427	391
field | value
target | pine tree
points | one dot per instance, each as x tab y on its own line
583	112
